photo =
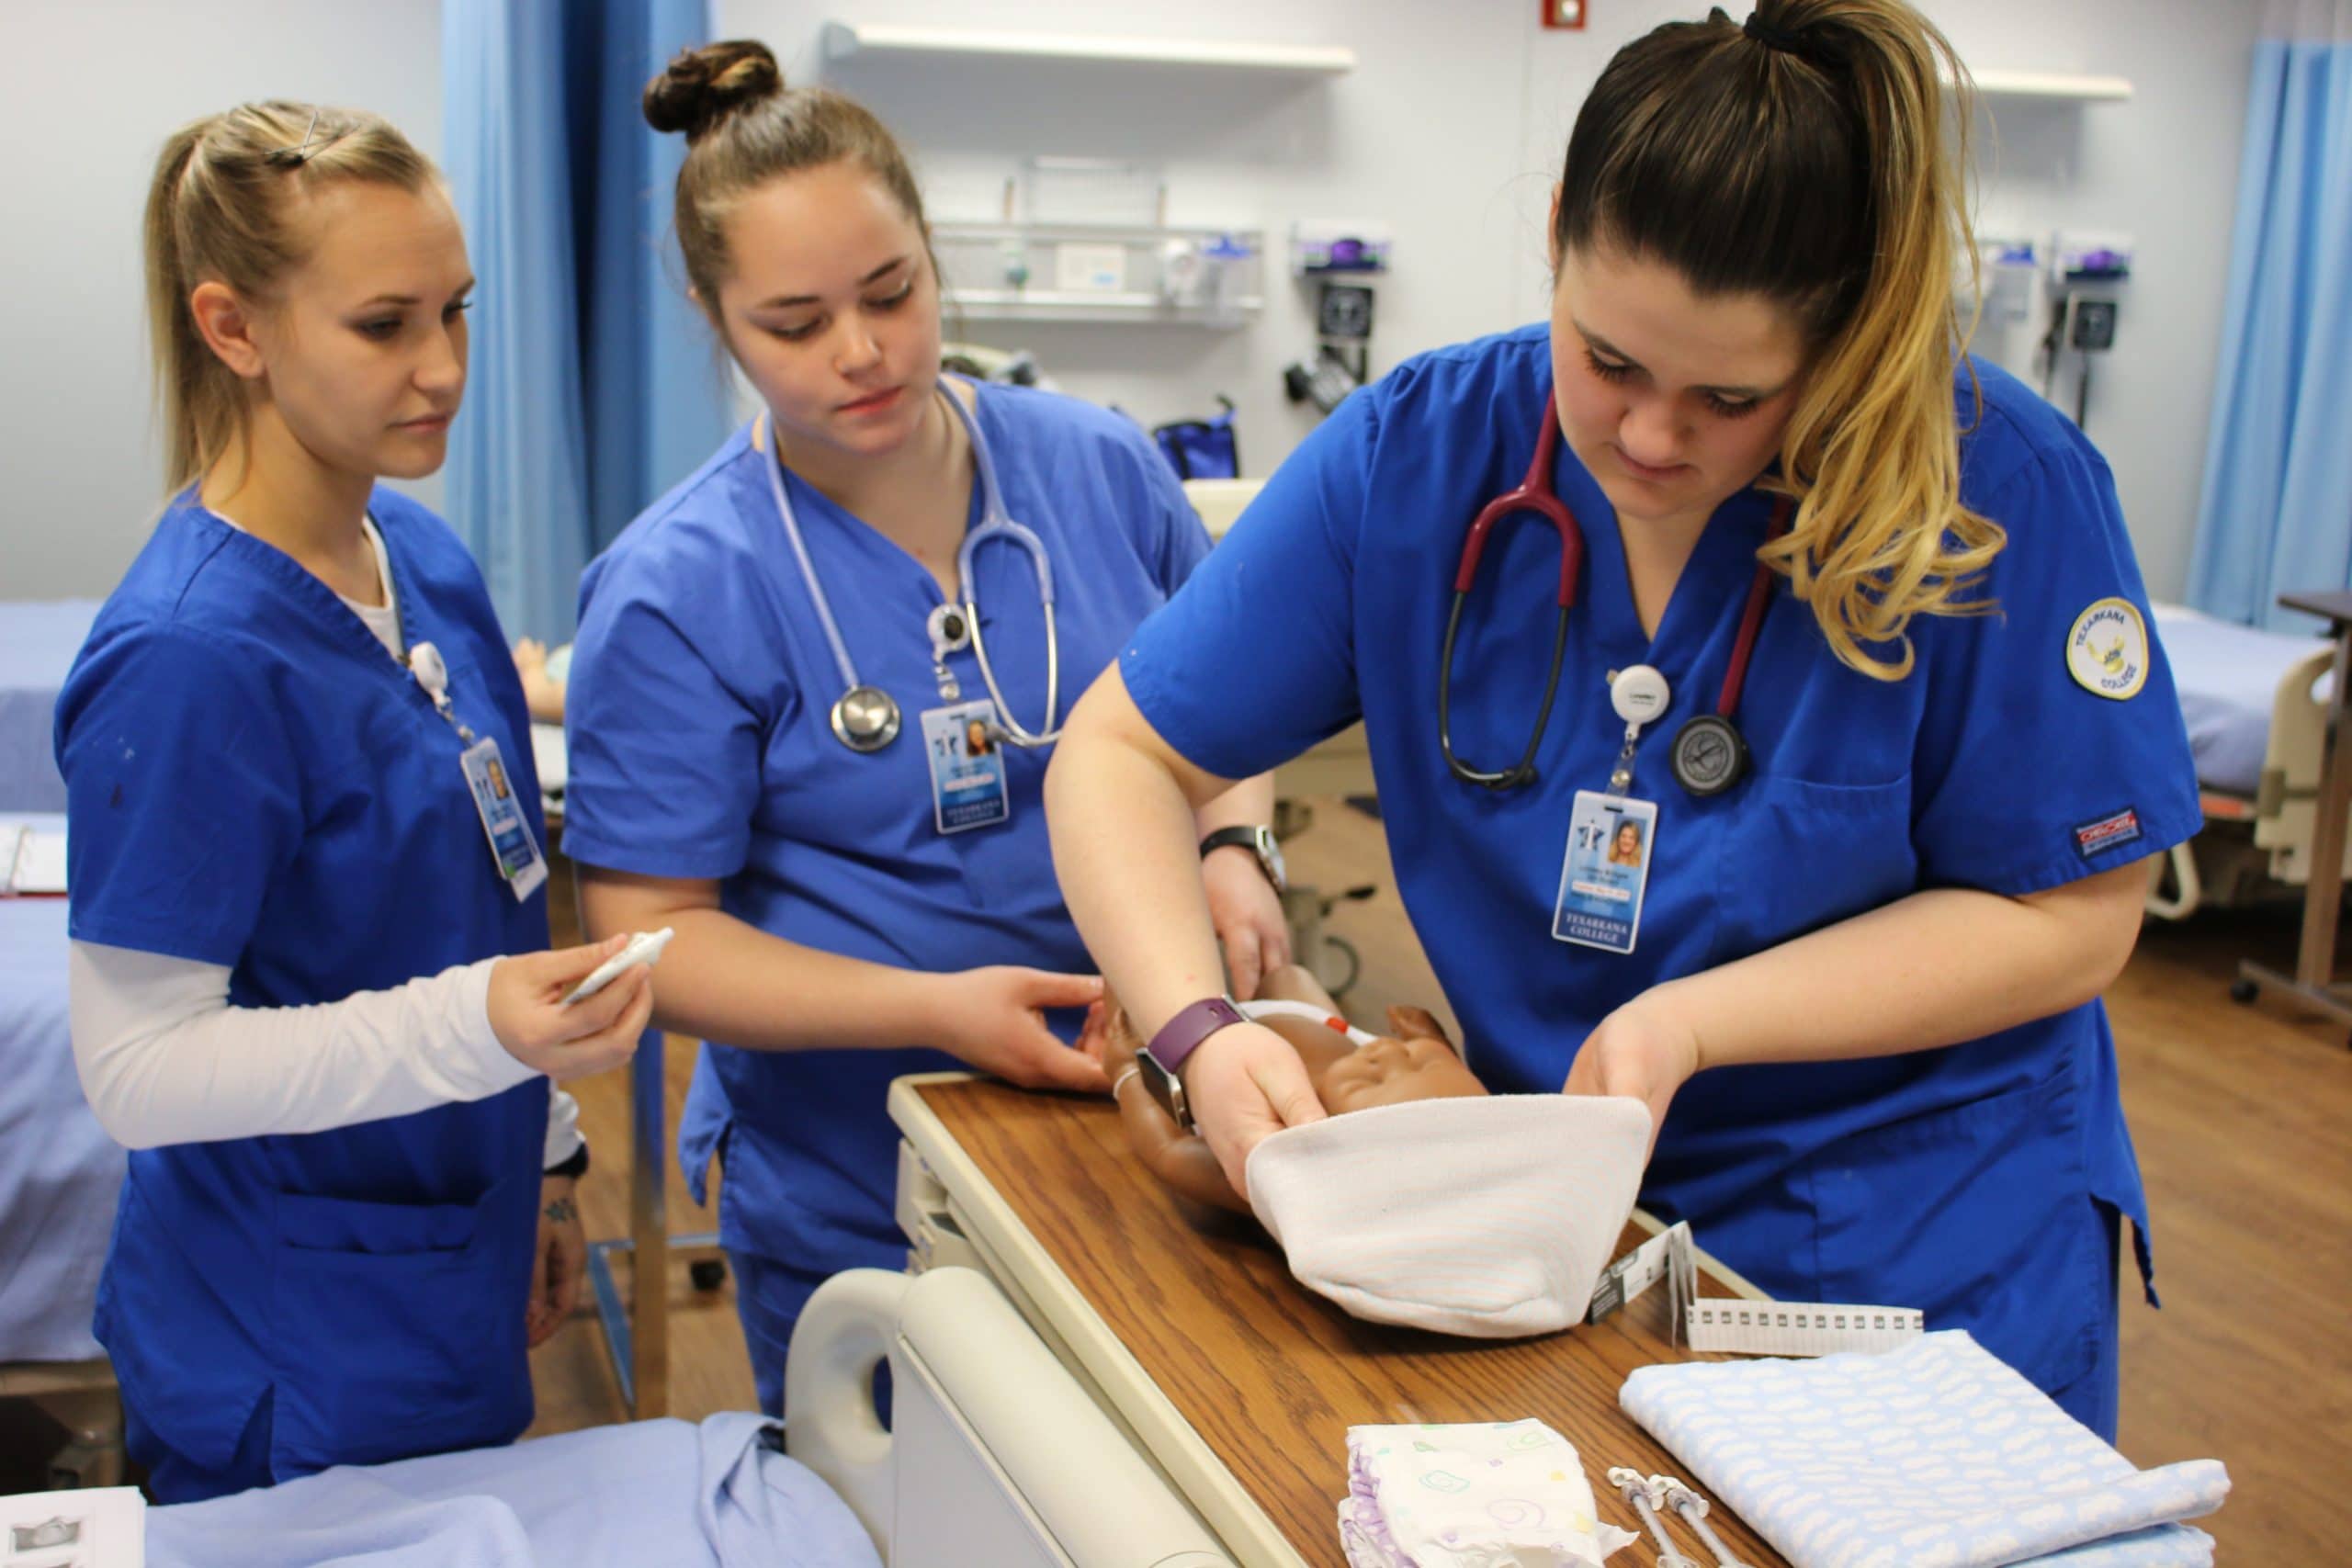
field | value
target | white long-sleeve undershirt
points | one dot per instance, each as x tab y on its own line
164	1059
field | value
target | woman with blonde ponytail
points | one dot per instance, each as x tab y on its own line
1847	622
309	983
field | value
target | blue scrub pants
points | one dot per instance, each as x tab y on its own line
769	1296
173	1477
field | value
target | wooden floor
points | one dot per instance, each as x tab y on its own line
2240	1115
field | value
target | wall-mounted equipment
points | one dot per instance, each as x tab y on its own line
1340	245
2088	275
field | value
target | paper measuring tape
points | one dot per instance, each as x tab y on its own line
1737	1327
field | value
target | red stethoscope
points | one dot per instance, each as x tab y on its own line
1708	755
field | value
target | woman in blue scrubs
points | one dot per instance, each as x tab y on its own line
1857	987
293	992
774	700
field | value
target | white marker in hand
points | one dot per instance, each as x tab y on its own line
644	948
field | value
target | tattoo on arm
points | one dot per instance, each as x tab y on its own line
562	1212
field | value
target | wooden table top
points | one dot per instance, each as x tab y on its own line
1267	1374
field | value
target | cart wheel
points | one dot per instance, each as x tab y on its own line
708	1273
1346	952
2242	992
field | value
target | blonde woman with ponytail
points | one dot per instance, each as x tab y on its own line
310	990
1853	631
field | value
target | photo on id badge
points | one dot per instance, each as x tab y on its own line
1608	867
502	818
966	763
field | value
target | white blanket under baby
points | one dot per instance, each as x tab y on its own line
1933	1455
1505	1495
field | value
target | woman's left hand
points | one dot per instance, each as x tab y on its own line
561	1260
1248	915
1642	1051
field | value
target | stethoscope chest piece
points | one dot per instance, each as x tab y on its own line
865	718
1708	755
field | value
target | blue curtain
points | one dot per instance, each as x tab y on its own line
2276	512
593	386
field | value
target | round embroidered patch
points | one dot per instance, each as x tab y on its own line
2107	653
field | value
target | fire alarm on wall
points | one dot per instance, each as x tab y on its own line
1564	13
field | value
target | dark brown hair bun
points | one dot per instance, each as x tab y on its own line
703	86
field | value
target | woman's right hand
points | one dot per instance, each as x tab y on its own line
527	1014
1245	1083
993	1020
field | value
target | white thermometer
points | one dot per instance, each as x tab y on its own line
644	948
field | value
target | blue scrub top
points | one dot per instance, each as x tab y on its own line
1925	1179
700	748
254	782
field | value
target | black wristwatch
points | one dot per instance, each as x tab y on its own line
1258	841
574	1166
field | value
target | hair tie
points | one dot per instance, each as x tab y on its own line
1785	42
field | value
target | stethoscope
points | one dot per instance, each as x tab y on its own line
865	717
1708	755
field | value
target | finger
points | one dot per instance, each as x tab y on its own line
563	1286
598	1014
618	1044
1041	988
1055	1066
566	967
1282	1078
1242	964
1274	946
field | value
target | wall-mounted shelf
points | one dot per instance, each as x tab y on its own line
1100	273
2053	85
847	40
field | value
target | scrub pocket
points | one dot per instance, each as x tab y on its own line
399	1329
1981	1216
1799	855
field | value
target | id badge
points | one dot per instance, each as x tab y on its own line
511	844
1610	840
966	763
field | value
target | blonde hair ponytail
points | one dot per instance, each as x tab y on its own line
216	212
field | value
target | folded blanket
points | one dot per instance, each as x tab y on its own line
1933	1455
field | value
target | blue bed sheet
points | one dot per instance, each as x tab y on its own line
654	1492
2227	675
38	641
59	1172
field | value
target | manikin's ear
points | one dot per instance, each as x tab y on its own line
1417	1024
226	323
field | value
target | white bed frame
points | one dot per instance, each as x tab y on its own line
2229	866
996	1457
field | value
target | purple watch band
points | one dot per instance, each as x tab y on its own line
1181	1035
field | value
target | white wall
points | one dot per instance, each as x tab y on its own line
1451	127
88	91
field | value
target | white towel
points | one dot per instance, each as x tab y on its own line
1932	1455
1489	1216
1509	1494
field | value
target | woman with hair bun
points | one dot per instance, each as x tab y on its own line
309	985
776	685
1847	621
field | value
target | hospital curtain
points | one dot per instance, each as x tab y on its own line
593	386
2276	514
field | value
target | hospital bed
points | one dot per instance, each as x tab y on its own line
996	1458
2256	705
38	641
59	1178
1187	1348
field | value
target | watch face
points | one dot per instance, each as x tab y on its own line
1166	1088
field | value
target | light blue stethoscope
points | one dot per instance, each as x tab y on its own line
867	718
